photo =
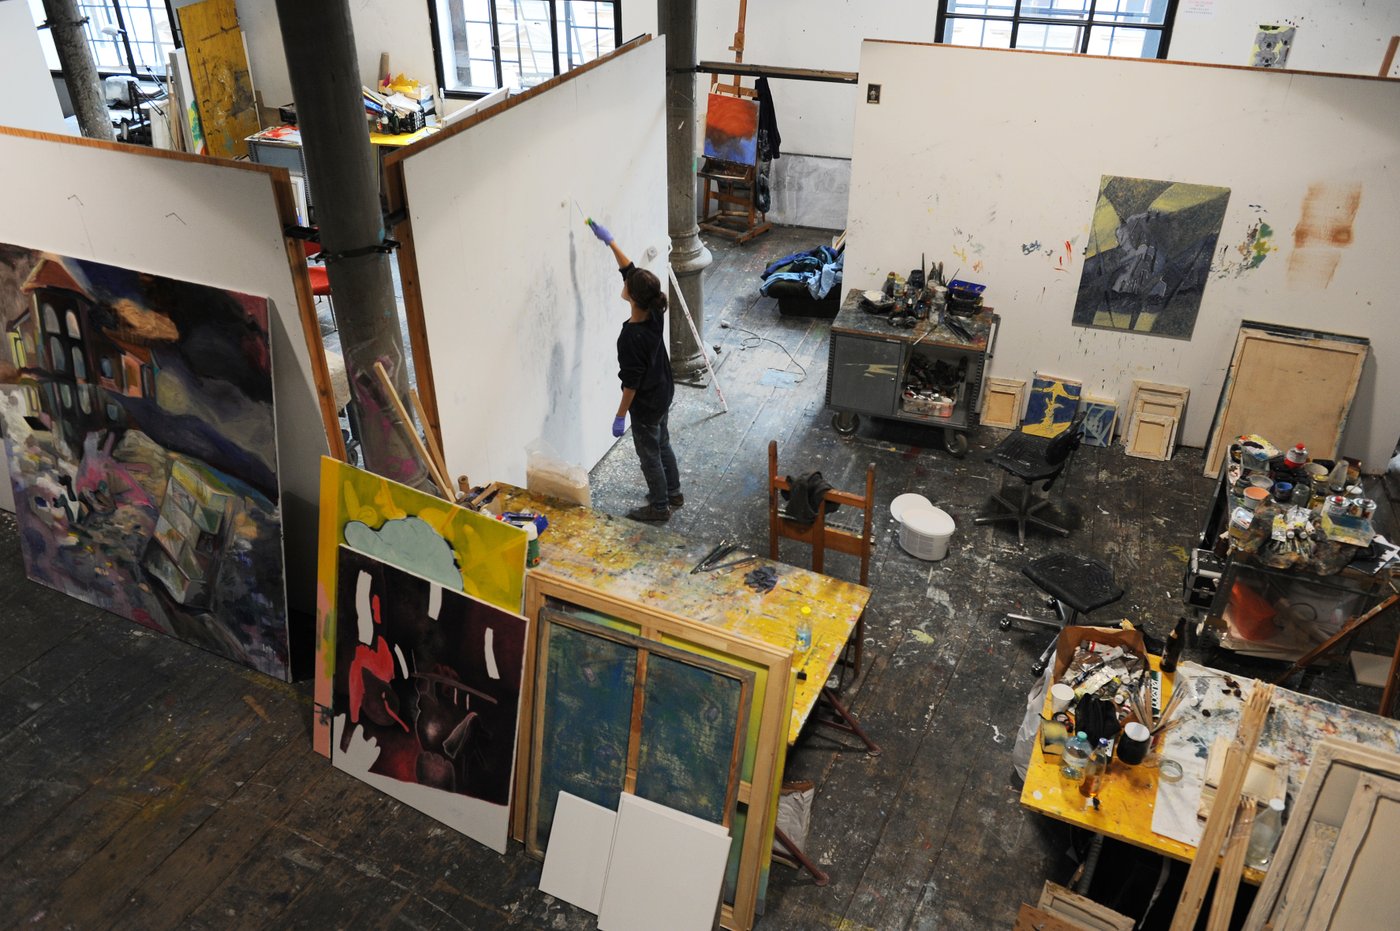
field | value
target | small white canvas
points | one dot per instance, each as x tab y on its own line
576	860
666	871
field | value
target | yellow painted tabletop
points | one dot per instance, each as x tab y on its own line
650	565
1126	799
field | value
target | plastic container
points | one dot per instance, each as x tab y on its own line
1095	769
804	630
1263	838
924	533
1076	757
1297	457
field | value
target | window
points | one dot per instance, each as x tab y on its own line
485	44
1120	28
140	39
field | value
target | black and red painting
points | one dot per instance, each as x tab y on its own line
427	695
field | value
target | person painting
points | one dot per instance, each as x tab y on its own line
647	384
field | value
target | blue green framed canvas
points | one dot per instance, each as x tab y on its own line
1100	417
1149	254
1051	406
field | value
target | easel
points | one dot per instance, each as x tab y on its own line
731	185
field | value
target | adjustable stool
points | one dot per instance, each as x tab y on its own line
1076	585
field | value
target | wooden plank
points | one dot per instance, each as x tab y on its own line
310	327
1226	799
1030	918
223	83
1062	903
1227	884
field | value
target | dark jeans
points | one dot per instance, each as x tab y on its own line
653	443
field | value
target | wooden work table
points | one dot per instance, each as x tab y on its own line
1129	798
651	565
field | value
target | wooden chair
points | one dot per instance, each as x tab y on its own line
821	536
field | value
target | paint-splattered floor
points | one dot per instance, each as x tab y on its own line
147	784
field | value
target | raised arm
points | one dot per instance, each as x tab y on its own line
606	239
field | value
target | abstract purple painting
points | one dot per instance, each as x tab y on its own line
139	427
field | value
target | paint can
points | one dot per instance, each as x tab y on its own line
1336	506
1368	507
532	545
1283	492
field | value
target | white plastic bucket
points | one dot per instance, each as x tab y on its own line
925	533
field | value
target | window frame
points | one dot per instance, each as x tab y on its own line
124	37
1016	19
439	60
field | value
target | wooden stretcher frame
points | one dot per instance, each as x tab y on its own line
1334	352
761	796
1001	392
1371	792
1306	844
1151	436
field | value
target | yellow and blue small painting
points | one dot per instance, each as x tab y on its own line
1053	402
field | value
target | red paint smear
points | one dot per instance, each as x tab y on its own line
374	609
380	662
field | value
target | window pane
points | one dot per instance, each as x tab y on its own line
586	30
1046	38
1122	42
527	51
1054	9
993	7
988	33
1150	12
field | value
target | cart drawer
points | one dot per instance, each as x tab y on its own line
863	374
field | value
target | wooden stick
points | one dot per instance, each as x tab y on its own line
1222	813
1227	885
433	446
1347	630
413	437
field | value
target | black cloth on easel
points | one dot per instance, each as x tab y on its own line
769	139
804	498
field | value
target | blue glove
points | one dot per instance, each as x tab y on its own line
602	233
619	425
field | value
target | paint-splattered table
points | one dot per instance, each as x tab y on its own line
1136	809
651	565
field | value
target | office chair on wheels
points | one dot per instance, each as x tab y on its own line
1076	585
1032	460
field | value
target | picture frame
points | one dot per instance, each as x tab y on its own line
1100	419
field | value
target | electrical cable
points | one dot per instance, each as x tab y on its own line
753	340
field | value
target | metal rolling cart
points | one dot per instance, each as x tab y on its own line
870	361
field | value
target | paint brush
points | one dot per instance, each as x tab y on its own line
586	220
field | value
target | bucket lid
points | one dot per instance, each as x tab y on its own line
909	501
930	521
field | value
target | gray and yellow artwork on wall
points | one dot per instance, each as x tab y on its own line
1148	256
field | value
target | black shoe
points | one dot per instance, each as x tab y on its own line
677	502
650	512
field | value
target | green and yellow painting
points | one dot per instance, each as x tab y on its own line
1149	255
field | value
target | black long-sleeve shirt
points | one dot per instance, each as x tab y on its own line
644	366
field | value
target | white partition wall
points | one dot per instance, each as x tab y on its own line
521	305
206	221
999	181
30	101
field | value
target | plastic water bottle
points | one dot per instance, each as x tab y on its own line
1264	836
1076	757
1095	770
804	630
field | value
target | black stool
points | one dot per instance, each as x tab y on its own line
1076	585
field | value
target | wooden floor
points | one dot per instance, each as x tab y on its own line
146	784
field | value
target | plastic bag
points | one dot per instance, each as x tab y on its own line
1030	725
546	473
